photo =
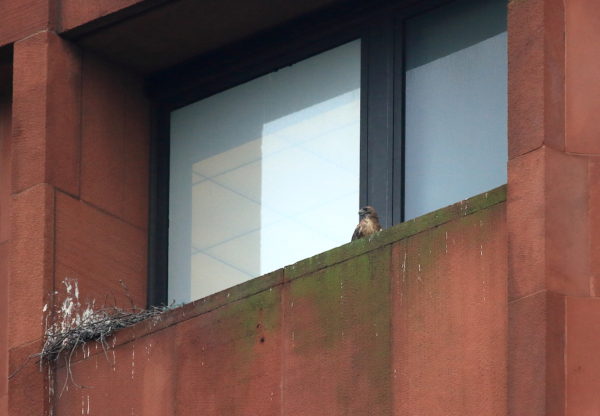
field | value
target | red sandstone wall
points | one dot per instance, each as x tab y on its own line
101	236
22	18
581	267
552	208
405	327
78	189
5	166
74	13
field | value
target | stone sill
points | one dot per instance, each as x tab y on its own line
328	258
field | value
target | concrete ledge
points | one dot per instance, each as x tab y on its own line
320	261
396	233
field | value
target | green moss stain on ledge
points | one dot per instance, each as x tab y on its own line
252	322
339	296
319	261
215	301
343	311
396	233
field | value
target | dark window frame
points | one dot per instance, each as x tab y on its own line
379	25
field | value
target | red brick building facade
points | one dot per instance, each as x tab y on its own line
488	307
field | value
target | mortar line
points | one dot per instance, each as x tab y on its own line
537	292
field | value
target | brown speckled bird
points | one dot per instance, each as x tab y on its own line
368	224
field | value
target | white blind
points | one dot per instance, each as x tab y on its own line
456	104
264	174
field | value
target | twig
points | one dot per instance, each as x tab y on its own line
74	326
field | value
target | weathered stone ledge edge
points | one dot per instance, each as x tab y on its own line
319	261
396	233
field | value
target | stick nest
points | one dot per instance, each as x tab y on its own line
72	324
69	325
90	325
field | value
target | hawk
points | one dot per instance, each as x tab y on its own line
368	224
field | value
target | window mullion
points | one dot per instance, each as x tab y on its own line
398	134
378	119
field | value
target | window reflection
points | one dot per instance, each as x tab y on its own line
264	174
456	104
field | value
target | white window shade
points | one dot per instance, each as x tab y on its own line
456	104
264	174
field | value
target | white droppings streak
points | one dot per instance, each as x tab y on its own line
148	351
51	384
132	361
446	242
481	249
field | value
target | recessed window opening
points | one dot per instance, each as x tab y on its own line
409	117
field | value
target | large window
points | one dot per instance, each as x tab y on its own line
264	174
268	164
